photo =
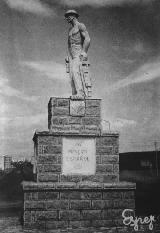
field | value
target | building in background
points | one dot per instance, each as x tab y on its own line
8	162
1	162
148	161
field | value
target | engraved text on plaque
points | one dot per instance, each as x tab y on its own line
79	156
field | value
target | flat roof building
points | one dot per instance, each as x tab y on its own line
7	162
1	162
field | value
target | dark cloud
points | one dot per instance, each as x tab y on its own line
126	21
98	3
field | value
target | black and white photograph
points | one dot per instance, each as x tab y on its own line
80	116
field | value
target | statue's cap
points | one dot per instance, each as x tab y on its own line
71	12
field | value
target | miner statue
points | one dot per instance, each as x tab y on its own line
77	60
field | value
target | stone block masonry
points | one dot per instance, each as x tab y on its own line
77	188
49	158
74	116
89	207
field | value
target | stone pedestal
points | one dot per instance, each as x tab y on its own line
74	116
52	161
76	207
77	184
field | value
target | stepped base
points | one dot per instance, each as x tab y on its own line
77	188
76	207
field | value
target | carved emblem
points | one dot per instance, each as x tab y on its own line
77	107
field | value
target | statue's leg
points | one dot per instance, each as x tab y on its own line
73	87
71	78
77	76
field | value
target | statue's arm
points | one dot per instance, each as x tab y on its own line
86	37
69	45
69	49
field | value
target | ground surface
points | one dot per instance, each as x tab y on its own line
10	225
147	202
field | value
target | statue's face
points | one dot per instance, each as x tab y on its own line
70	18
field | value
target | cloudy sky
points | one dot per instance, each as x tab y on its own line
125	66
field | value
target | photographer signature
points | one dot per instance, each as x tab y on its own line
130	220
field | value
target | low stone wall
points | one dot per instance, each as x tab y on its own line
76	207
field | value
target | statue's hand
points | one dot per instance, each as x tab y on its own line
67	64
67	59
83	56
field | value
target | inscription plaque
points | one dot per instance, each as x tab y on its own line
79	156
